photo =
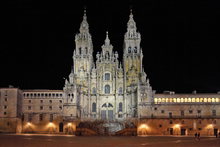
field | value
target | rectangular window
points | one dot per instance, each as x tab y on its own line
60	107
5	107
41	101
51	117
29	117
29	101
5	113
40	117
119	115
50	101
199	111
29	107
162	111
190	111
170	114
213	112
50	107
41	107
107	76
182	113
171	122
6	99
60	101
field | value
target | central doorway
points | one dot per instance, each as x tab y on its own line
107	112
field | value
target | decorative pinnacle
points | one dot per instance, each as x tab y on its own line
84	16
107	41
131	14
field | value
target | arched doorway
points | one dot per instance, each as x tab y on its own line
107	112
61	127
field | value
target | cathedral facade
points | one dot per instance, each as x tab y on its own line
105	88
104	95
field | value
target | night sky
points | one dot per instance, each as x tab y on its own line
180	40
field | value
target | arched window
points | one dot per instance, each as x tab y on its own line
107	89
107	76
135	49
120	107
129	49
80	50
110	105
120	90
93	107
93	90
86	50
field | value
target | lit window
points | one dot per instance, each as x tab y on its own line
197	100
205	100
213	99
209	100
193	100
182	100
178	100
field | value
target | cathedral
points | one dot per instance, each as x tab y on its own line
105	88
104	96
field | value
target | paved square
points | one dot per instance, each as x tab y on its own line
104	141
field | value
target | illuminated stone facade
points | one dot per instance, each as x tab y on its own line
105	89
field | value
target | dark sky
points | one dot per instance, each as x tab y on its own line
180	40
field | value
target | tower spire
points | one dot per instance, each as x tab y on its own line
84	27
107	41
